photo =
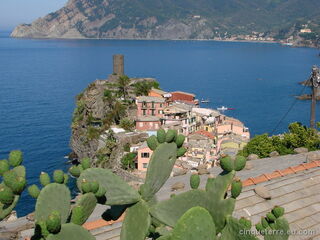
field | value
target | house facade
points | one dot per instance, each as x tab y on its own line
143	158
149	111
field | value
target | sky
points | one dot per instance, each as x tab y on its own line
14	12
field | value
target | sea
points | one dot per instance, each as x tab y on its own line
39	80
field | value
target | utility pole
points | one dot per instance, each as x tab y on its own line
315	81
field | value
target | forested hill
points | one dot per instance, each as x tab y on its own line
174	19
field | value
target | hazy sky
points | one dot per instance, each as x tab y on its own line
14	12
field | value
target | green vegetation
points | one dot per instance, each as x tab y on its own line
126	147
93	133
127	124
13	182
143	88
123	86
298	136
104	154
127	161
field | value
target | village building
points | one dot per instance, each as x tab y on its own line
206	118
180	113
201	149
159	93
149	111
143	157
227	125
184	97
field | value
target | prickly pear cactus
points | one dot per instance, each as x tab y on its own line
14	182
71	231
136	223
274	226
53	197
83	208
118	192
196	223
159	169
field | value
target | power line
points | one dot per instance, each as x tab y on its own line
290	108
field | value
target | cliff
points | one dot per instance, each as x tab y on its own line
172	19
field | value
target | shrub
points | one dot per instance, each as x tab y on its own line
127	161
127	124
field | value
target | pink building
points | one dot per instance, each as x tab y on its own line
228	125
149	112
150	106
144	155
148	123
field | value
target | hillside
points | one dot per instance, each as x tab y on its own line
175	19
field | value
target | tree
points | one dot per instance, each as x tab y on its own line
118	112
123	86
143	88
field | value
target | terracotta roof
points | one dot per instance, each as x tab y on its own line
205	133
191	94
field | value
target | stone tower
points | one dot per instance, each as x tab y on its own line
118	64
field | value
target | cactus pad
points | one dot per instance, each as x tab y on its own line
159	169
219	207
85	163
53	197
194	181
169	211
4	166
44	179
6	195
58	176
235	230
161	135
71	231
75	171
196	223
34	191
15	158
88	202
152	142
136	223
5	210
118	191
53	222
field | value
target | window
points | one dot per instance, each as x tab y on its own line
144	112
160	112
145	165
152	112
161	105
151	124
145	155
152	104
141	124
144	104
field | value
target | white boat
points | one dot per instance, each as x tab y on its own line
205	100
223	108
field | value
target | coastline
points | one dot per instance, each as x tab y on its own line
161	39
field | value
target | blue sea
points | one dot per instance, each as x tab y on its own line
39	80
